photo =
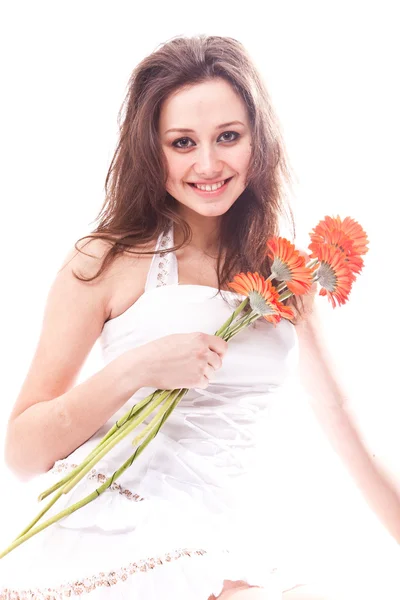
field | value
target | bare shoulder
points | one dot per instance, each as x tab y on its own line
124	271
85	258
122	281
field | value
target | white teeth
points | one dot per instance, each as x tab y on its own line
209	188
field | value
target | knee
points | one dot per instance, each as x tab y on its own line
309	592
240	590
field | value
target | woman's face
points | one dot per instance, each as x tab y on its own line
205	136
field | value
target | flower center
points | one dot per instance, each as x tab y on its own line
327	277
280	270
260	305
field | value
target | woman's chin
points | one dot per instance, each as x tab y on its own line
206	207
209	210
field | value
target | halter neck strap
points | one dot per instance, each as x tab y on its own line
163	268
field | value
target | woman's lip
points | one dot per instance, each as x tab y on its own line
211	194
208	182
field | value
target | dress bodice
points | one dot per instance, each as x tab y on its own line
222	424
260	357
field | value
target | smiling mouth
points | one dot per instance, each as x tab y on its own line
223	181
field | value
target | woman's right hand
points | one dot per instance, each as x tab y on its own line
182	360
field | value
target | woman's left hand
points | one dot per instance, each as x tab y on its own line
304	307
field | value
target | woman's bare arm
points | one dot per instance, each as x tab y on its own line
329	404
51	417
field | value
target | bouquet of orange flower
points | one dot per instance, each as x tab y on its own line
335	258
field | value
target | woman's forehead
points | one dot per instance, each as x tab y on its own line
214	102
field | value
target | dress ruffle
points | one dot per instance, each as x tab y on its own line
177	575
123	545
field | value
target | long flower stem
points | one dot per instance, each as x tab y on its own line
233	316
158	417
117	437
234	333
169	410
244	322
237	325
86	466
118	426
104	486
312	263
40	515
130	414
281	287
285	295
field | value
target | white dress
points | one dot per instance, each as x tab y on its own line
191	511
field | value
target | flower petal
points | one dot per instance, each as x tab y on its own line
289	265
263	296
334	275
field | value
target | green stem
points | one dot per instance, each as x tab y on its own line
285	295
245	322
62	491
118	426
79	472
117	437
239	329
172	408
40	515
133	411
158	417
102	488
281	287
239	323
312	263
233	316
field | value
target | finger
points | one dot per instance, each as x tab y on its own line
214	360
203	383
218	345
209	372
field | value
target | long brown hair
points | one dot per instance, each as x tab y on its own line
137	207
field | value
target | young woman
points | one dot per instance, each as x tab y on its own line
199	171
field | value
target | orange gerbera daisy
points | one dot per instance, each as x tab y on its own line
347	235
354	262
289	266
264	299
334	275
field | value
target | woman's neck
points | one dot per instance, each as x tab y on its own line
205	236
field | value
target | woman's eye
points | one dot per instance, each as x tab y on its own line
236	135
183	143
177	142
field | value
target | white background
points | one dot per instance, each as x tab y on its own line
332	71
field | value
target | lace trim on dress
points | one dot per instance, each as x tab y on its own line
89	584
164	262
63	467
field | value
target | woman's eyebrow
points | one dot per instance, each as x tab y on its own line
185	130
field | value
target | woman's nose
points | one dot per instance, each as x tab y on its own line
208	162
